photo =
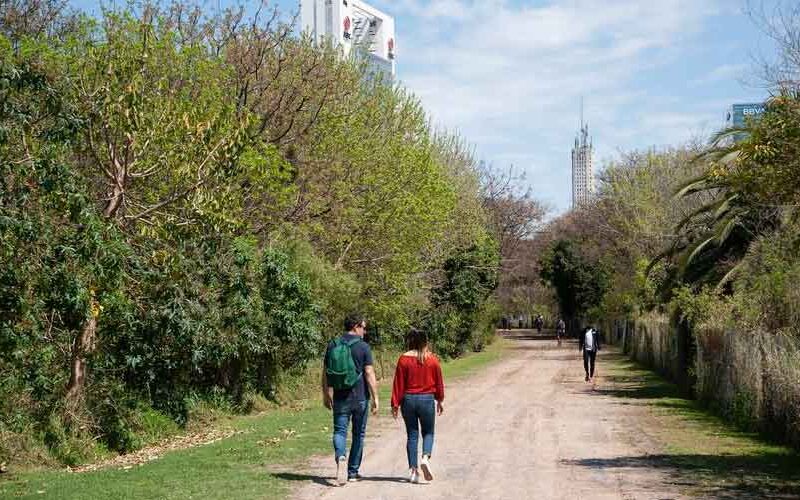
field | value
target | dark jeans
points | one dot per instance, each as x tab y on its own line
419	410
588	361
343	412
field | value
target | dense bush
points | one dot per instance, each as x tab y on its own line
188	207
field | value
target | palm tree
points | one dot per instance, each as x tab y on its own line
712	240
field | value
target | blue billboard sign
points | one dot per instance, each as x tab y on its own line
739	113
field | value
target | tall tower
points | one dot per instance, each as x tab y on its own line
582	175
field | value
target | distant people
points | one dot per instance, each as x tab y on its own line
538	323
349	388
561	330
589	344
418	393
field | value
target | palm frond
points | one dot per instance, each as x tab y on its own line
724	229
697	248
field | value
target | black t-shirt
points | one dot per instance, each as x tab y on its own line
362	357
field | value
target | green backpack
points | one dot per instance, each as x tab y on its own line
341	369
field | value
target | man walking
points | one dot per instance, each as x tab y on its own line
538	323
349	388
561	329
589	344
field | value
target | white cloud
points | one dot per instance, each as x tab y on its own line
723	72
510	76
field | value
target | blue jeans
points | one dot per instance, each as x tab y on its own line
419	410
343	411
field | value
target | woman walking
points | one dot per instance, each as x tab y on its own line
418	393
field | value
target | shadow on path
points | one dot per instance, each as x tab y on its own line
329	481
774	475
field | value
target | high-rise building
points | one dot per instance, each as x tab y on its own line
358	28
582	175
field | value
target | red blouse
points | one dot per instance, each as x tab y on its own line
411	377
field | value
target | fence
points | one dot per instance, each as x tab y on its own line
750	378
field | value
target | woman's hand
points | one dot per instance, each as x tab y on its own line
395	411
439	408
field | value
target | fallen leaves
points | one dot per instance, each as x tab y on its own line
274	441
151	453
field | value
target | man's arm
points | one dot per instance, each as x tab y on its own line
372	383
327	391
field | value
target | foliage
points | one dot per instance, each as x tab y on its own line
765	170
463	311
751	184
580	285
188	207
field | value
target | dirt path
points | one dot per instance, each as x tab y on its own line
527	427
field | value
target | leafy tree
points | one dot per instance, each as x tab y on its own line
579	285
752	185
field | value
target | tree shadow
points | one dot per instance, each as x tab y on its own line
643	391
329	481
292	476
760	475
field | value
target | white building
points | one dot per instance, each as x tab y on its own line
582	175
355	26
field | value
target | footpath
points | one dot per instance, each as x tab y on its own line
531	427
520	422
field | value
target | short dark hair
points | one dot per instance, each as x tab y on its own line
353	320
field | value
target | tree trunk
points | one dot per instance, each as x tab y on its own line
114	202
84	345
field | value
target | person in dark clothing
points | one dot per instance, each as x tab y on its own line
351	403
561	330
538	323
589	344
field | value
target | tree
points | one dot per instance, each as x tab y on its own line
580	285
781	23
752	185
513	213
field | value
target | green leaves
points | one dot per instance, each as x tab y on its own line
217	194
747	183
579	284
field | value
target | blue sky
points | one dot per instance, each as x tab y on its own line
509	75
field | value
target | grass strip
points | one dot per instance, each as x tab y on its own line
233	468
706	455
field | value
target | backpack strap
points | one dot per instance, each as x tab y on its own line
350	343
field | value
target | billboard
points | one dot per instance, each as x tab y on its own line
739	113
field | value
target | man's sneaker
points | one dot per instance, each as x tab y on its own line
356	478
587	377
425	465
413	477
341	470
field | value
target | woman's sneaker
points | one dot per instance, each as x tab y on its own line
413	477
425	465
341	471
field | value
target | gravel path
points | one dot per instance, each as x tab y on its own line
526	427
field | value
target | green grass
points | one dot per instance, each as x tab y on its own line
706	455
238	467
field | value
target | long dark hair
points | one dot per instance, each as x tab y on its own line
417	340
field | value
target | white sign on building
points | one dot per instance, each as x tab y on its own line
355	26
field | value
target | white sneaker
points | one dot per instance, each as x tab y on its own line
341	471
413	477
425	465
